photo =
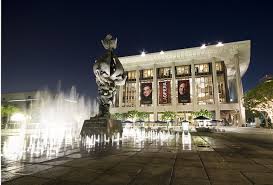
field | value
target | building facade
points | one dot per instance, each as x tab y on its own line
185	81
21	100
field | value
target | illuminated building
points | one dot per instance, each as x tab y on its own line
187	80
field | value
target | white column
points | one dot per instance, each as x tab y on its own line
137	88
215	90
120	95
155	92
239	90
194	95
173	92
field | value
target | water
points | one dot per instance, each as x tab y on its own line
22	154
54	143
137	137
52	127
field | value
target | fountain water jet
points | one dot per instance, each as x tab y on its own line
54	127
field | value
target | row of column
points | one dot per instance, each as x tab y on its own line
194	99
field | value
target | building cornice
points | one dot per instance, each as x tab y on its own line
185	56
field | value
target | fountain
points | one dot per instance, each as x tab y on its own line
55	121
52	128
57	124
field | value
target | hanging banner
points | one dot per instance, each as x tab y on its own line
164	92
184	91
146	93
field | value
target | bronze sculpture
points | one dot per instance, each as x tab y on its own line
109	73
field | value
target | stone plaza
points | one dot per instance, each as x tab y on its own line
231	157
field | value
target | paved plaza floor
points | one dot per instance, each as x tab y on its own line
208	158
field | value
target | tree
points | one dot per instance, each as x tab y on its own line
117	116
168	116
7	111
142	115
260	99
203	112
124	116
132	114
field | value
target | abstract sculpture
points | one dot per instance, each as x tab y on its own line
109	73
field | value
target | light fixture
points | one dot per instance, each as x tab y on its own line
161	52
143	54
219	44
203	46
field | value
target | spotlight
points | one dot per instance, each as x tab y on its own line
219	44
203	46
143	54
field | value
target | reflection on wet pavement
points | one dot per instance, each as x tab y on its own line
19	151
137	138
137	156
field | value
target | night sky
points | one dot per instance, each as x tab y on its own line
47	41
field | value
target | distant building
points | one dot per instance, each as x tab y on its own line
185	81
22	100
36	103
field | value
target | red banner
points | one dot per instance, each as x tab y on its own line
164	92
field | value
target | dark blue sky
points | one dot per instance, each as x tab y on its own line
47	41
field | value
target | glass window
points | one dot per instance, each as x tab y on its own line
221	88
183	70
204	90
131	75
201	68
147	73
219	66
164	72
129	94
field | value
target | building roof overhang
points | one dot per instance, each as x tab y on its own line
225	53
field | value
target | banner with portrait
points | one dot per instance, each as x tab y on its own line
146	93
164	92
184	91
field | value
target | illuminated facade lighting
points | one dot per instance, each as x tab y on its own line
165	82
203	46
219	44
143	54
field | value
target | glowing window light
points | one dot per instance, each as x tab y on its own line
18	117
143	54
219	44
203	46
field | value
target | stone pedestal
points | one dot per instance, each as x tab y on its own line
101	125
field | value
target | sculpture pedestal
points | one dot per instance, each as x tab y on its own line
101	125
